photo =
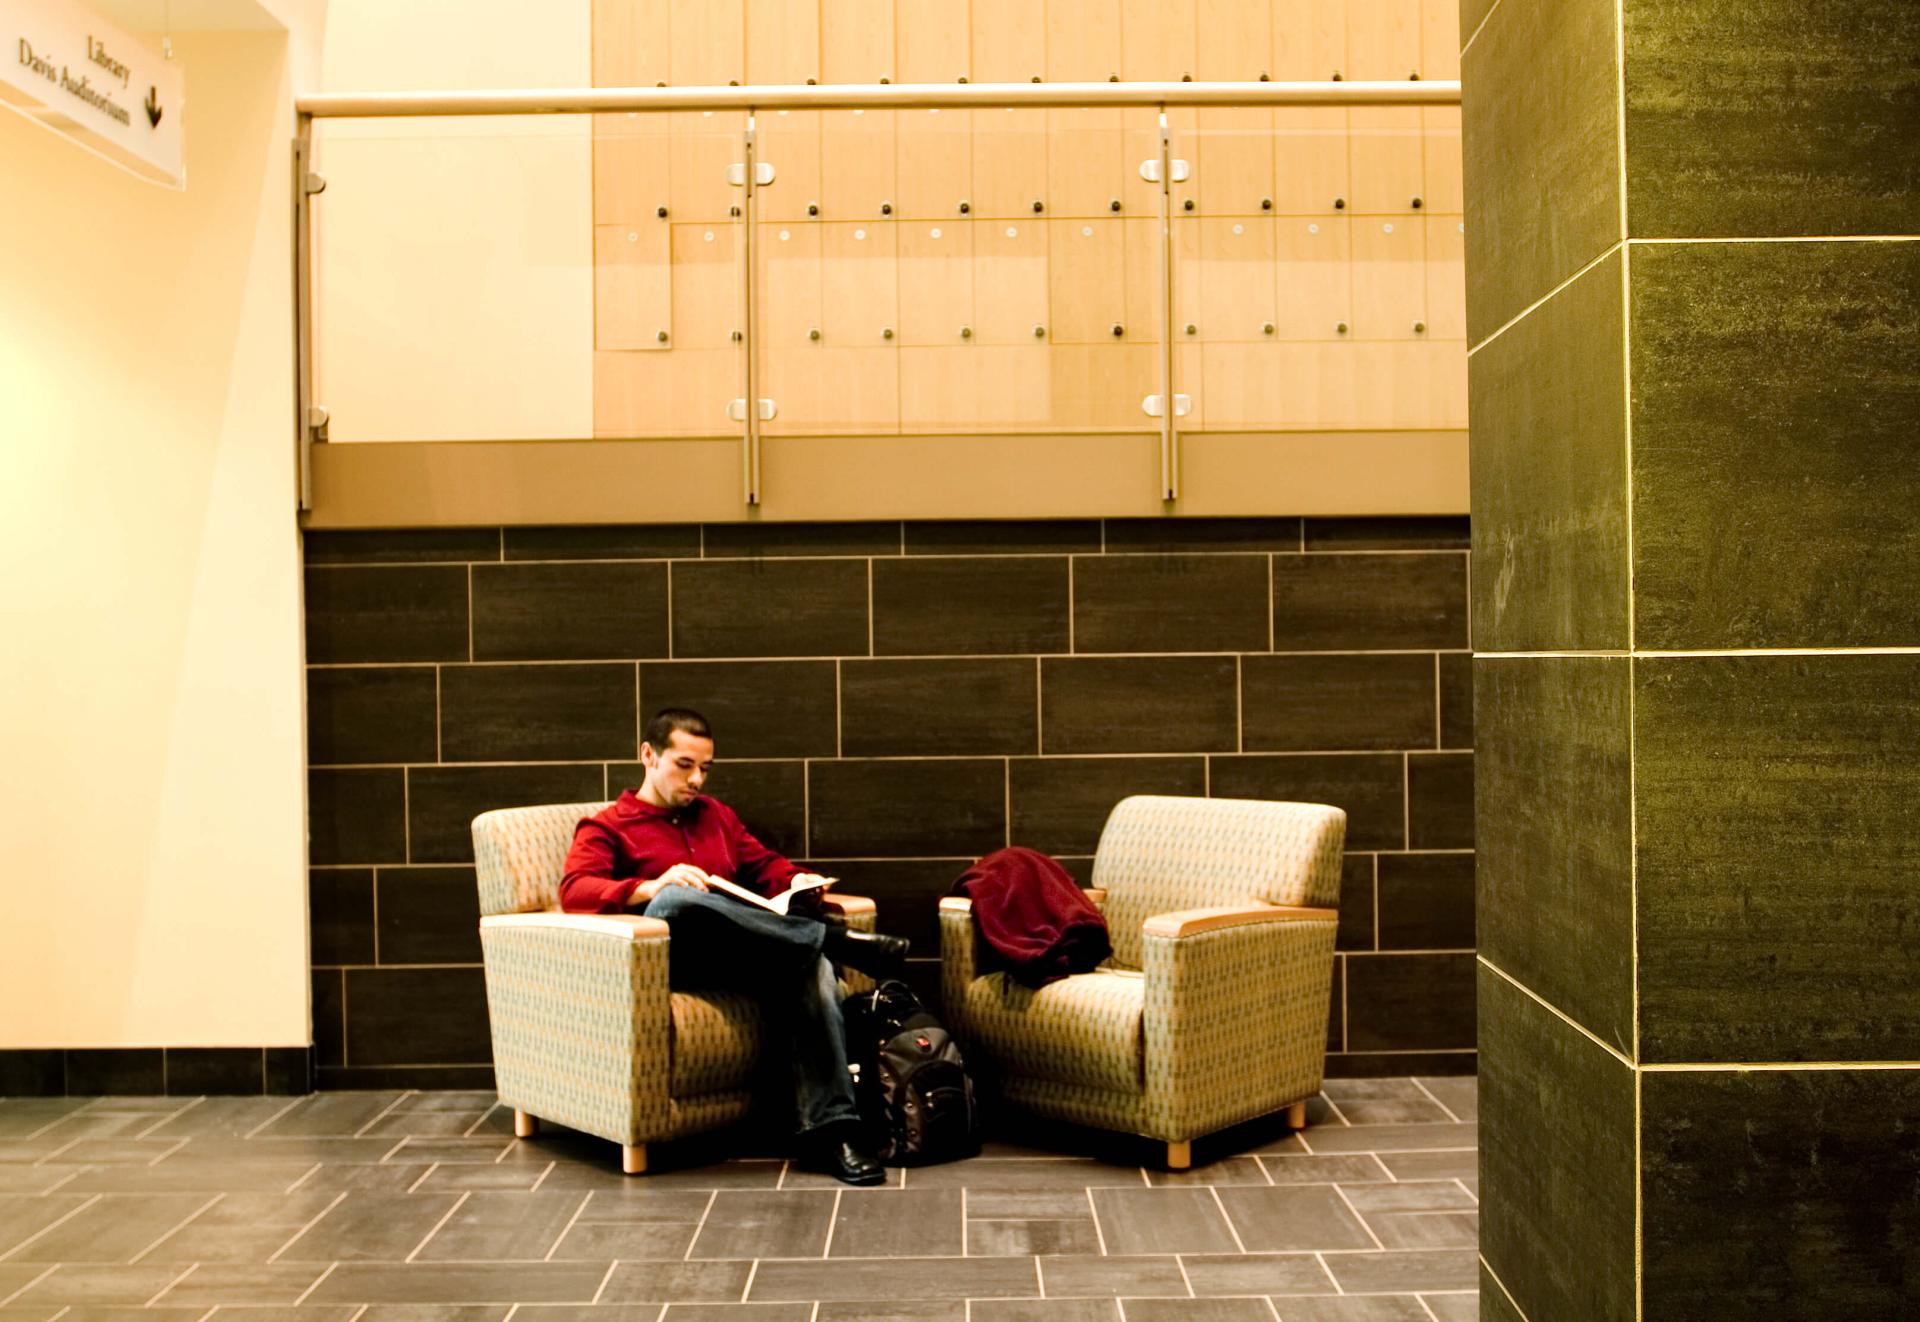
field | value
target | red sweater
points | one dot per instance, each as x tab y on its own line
632	841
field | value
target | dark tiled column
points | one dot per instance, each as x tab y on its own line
1695	299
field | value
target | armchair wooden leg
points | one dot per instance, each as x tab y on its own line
633	1158
1297	1116
525	1125
1179	1156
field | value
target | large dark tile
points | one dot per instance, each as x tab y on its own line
784	539
1165	603
1165	704
1440	801
939	708
402	546
1807	1178
1061	804
753	1223
371	714
537	713
1456	700
1426	902
1554	859
751	608
356	816
131	1071
1557	1152
1549	474
1257	1274
1336	603
1771	118
1540	117
1302	703
466	1282
1002	537
403	613
1198	1310
1775	828
1775	387
427	916
569	612
895	1224
1399	534
1408	1270
214	1071
903	809
329	1017
1367	786
970	605
756	708
879	1278
1161	1221
906	891
110	1229
495	1226
1202	535
1409	1002
289	1070
340	915
443	801
646	541
32	1073
1357	931
1110	1276
417	1017
1293	1217
243	1231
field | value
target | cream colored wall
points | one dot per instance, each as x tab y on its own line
151	789
454	275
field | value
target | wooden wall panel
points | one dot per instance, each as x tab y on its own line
856	41
857	174
706	285
859	280
1389	278
632	286
790	141
782	41
1083	41
1313	274
1086	280
936	264
1010	281
1446	277
932	41
1236	285
627	49
683	393
934	163
631	156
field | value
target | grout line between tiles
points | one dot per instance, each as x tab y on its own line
6	1299
384	1111
192	1267
436	1225
50	1226
1341	1194
1495	1277
568	1228
702	1223
1436	1101
1232	1229
1555	1011
1099	1235
1321	1258
191	1216
420	1179
1039	1277
1481	26
753	1269
1541	302
1179	1262
833	1223
1426	1307
316	1280
295	1238
602	1287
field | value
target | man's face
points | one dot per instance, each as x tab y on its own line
676	773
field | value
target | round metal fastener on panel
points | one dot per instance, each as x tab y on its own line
966	208
813	208
886	208
813	333
1339	204
660	336
1039	332
1192	329
1114	204
1266	328
1187	205
1038	206
1118	330
966	332
1417	204
660	212
1266	204
1340	328
886	332
1419	328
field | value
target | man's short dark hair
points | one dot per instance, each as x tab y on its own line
659	732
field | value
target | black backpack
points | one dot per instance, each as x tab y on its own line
912	1084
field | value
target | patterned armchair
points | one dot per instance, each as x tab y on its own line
586	1032
1213	1008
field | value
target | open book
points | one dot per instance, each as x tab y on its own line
778	904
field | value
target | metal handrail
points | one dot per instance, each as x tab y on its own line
836	96
872	96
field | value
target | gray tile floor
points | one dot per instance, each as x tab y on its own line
421	1207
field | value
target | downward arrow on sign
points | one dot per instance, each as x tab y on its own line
153	107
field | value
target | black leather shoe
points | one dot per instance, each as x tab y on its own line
874	954
847	1162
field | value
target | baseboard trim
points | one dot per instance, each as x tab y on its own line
156	1071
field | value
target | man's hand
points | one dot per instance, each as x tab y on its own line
680	874
809	903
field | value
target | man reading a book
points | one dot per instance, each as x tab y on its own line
667	850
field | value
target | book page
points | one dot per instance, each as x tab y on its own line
779	903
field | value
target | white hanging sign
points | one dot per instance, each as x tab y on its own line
90	80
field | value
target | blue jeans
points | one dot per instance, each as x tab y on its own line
724	944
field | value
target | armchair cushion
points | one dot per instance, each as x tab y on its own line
1085	1029
716	1039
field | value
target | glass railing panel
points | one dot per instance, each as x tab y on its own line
454	270
1314	287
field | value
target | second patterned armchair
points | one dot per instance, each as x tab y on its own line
586	1032
1213	1008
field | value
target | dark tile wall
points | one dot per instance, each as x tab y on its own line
891	702
156	1071
1694	570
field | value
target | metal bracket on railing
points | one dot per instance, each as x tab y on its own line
762	174
1155	406
737	410
1150	170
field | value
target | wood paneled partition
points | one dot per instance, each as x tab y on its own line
940	271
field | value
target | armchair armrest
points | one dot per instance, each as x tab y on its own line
1191	922
632	926
853	908
1235	1013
